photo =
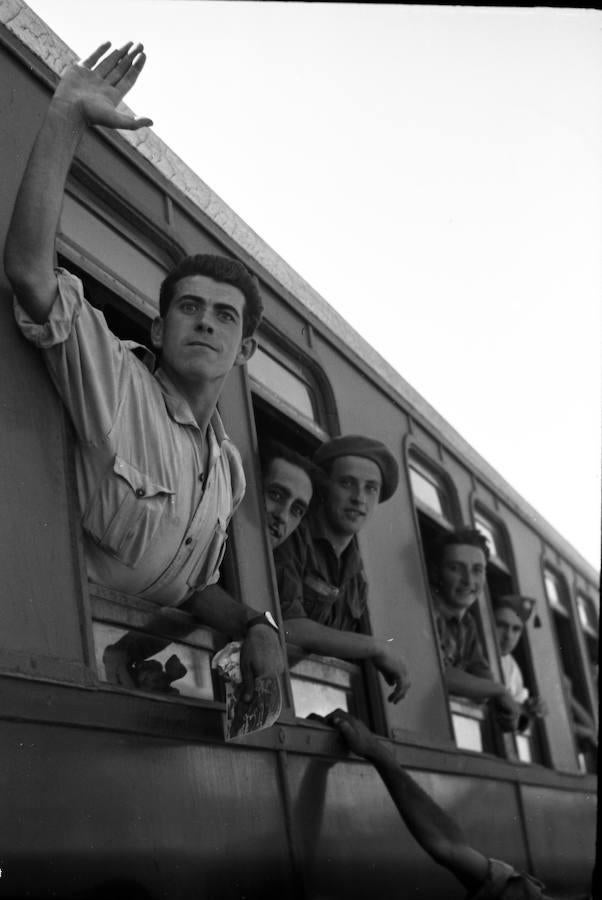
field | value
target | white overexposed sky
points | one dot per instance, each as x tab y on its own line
435	173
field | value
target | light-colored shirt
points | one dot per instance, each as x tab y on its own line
154	522
513	678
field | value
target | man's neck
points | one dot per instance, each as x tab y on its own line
201	397
450	612
339	542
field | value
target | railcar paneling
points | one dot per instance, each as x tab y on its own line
100	783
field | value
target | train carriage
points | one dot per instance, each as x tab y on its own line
102	785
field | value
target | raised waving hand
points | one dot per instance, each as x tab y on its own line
96	86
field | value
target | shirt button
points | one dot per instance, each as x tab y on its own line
188	541
140	492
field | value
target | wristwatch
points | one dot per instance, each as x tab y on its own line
266	618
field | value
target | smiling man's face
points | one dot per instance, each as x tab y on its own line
352	494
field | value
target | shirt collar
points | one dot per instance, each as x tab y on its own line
180	411
350	557
446	612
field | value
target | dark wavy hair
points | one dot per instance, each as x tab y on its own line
469	536
220	268
275	450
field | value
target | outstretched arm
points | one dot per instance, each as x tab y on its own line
316	638
436	832
87	94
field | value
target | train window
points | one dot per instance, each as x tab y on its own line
429	490
574	682
495	538
588	617
279	380
288	409
436	513
181	663
528	745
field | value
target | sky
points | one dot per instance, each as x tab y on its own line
435	173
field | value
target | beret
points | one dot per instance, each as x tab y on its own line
522	606
358	445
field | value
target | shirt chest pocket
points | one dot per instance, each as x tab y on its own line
125	511
318	597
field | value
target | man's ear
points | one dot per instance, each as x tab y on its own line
248	347
157	332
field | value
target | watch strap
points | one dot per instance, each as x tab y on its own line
263	619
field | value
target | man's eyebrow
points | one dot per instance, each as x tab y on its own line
218	304
280	487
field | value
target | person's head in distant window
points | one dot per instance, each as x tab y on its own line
511	613
360	473
461	568
287	490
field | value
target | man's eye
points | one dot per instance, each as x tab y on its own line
298	512
226	316
189	307
372	488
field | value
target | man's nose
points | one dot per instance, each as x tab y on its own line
204	320
278	514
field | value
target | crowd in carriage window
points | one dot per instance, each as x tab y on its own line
322	585
460	570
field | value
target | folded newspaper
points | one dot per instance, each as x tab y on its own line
265	705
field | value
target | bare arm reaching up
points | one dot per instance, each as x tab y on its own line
87	94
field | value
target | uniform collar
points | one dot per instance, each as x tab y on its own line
446	612
350	557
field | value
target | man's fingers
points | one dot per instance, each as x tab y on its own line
128	78
130	124
124	66
107	64
96	55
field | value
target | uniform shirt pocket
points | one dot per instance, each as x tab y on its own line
125	511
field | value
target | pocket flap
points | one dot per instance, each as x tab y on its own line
141	484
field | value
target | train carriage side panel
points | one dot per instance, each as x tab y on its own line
391	556
84	807
40	611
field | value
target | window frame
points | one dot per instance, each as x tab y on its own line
303	367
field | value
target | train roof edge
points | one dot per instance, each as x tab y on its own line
35	34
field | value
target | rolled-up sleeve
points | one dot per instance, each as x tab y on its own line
88	365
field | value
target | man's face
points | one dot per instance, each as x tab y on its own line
463	570
352	493
287	491
201	335
509	629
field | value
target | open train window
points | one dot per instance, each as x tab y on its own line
588	617
289	408
437	514
529	744
115	614
574	682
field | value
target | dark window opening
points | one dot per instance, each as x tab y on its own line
319	684
124	320
575	687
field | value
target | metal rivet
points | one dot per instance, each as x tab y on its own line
140	492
